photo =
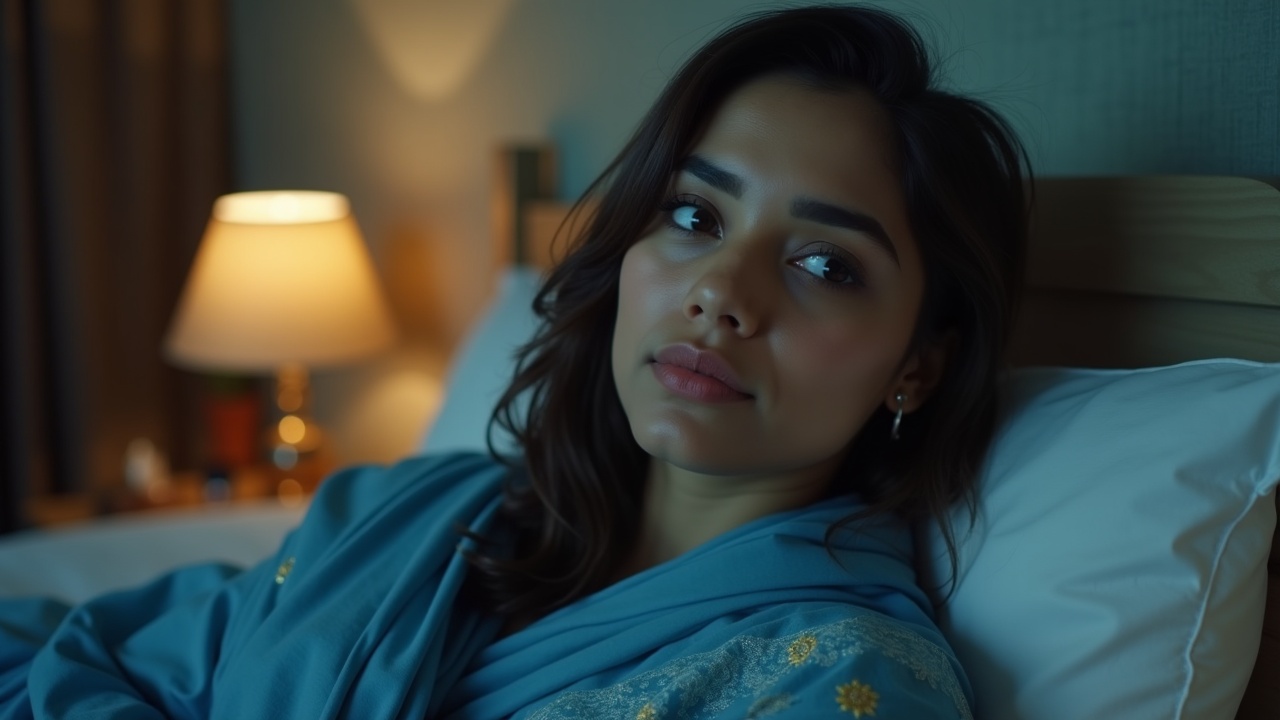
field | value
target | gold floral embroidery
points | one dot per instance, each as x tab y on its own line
647	713
704	685
857	698
283	571
799	650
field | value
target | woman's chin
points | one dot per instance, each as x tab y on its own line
695	449
686	450
709	450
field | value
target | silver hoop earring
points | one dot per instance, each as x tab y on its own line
897	417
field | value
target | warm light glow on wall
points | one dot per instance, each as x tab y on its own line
390	408
431	47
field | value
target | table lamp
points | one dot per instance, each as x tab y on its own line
281	283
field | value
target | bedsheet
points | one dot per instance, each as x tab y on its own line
78	562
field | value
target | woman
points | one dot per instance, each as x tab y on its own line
775	347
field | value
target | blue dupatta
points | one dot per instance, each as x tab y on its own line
760	618
358	616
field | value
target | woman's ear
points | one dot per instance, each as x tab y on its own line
920	375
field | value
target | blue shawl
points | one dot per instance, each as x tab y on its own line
358	616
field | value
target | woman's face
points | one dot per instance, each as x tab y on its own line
767	312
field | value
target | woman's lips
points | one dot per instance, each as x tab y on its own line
697	374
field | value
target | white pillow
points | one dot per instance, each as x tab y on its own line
1118	565
483	366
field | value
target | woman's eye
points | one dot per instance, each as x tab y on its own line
829	268
694	218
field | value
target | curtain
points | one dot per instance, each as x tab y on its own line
114	142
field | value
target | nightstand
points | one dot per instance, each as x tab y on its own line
252	483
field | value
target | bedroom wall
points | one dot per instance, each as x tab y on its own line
400	104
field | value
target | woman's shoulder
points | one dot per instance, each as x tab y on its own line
358	494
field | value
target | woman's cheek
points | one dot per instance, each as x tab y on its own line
655	282
835	361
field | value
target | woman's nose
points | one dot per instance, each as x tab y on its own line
727	296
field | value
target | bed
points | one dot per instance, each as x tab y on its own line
1124	559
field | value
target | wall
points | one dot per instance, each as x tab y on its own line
359	96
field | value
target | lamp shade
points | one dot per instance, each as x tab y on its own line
279	277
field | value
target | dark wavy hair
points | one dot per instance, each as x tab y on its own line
575	507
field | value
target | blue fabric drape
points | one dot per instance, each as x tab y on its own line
359	615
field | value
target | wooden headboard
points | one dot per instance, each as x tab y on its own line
1122	272
1141	271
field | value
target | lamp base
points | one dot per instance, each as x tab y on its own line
294	435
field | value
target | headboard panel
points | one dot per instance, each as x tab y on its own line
1087	329
1138	271
1190	237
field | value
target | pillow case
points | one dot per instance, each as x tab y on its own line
1117	565
482	368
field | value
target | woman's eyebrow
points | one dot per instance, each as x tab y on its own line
801	208
713	175
835	216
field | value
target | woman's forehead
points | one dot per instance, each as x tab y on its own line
779	125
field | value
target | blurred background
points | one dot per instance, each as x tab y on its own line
121	121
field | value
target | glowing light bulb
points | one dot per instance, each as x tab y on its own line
292	429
